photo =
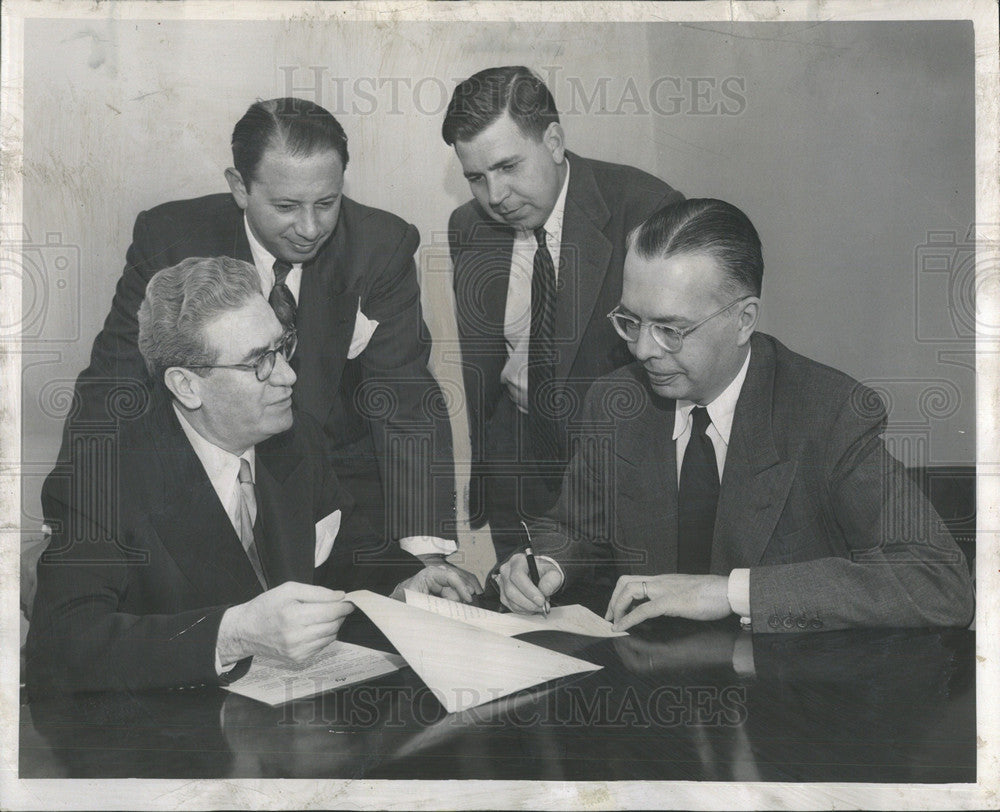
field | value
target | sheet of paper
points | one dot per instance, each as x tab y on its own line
464	666
275	682
575	619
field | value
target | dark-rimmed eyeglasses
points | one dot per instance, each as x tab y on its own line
264	365
669	338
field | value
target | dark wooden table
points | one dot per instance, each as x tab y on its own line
668	704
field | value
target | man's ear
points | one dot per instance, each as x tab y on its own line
749	315
237	187
553	138
184	385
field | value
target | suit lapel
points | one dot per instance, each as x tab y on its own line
583	261
487	276
327	309
284	522
756	481
240	244
647	450
191	522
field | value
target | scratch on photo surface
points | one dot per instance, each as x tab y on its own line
199	620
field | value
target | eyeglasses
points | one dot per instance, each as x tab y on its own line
670	338
263	366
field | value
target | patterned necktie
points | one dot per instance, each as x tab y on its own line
542	427
280	298
697	498
248	514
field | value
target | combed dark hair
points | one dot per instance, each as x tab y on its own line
181	300
486	96
709	226
296	126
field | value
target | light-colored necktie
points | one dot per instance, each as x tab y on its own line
248	512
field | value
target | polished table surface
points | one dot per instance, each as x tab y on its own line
674	701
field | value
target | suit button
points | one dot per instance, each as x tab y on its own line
816	623
802	622
788	622
774	621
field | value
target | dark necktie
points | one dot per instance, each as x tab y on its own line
697	498
248	510
541	367
281	299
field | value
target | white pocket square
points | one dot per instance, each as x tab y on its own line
326	533
364	329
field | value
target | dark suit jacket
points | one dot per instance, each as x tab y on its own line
144	561
368	259
604	202
833	530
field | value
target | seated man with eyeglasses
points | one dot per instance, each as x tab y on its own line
721	473
212	528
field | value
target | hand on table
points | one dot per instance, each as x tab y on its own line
471	582
443	580
292	621
698	597
518	593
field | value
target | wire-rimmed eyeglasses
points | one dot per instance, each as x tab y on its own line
264	365
668	337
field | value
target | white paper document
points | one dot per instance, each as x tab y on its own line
463	665
575	619
275	681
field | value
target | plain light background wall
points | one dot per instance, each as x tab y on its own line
849	145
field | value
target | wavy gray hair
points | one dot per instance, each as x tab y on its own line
181	300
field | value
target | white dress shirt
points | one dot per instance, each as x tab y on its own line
263	260
517	316
720	412
223	469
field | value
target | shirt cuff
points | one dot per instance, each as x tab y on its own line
738	592
221	669
428	545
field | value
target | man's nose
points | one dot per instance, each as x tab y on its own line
282	374
307	224
497	190
645	346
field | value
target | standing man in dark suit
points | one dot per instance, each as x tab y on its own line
723	473
537	257
220	531
343	274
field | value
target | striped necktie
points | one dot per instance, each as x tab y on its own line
248	515
542	427
281	299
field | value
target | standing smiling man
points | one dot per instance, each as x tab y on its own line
343	276
537	256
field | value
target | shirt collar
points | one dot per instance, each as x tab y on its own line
222	467
554	225
720	411
262	258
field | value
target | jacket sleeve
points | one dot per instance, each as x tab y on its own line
579	531
115	385
900	566
358	559
81	639
411	427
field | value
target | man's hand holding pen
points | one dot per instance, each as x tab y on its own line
525	582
